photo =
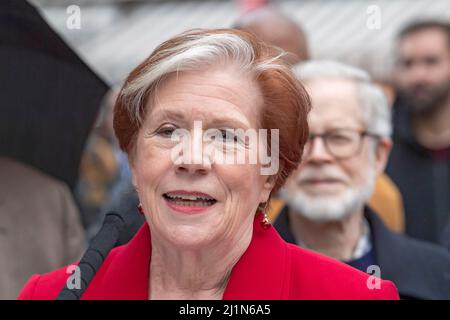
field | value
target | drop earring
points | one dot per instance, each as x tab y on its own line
265	223
141	210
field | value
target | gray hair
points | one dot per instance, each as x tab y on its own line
200	51
375	107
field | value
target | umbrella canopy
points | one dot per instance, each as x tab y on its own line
49	97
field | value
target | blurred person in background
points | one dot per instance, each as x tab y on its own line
273	26
103	165
420	160
327	211
106	130
115	189
206	234
40	227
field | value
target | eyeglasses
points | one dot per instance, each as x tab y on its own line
341	143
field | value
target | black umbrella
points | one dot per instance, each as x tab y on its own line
49	97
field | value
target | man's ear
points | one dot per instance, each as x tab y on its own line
383	149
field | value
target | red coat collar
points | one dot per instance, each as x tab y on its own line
125	273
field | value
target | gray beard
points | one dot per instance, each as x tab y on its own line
322	209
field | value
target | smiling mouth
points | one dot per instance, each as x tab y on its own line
189	200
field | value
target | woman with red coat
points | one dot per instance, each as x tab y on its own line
213	123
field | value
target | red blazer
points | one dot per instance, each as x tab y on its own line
270	269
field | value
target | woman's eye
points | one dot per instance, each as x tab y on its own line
166	131
228	136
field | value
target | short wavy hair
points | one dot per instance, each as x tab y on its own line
286	102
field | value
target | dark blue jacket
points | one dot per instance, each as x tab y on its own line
419	269
423	179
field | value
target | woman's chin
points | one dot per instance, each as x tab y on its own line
186	239
190	229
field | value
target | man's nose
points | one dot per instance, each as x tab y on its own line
316	151
419	73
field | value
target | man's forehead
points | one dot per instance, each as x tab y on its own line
336	83
333	94
338	120
430	39
335	103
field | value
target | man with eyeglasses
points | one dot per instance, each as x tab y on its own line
327	196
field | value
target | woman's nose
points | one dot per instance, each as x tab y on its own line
198	161
193	168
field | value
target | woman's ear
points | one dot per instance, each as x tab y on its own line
133	172
134	180
268	186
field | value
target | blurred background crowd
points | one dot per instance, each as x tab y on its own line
61	169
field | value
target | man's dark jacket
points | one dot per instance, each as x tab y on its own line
419	269
423	178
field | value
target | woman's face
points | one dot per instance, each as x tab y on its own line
189	198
